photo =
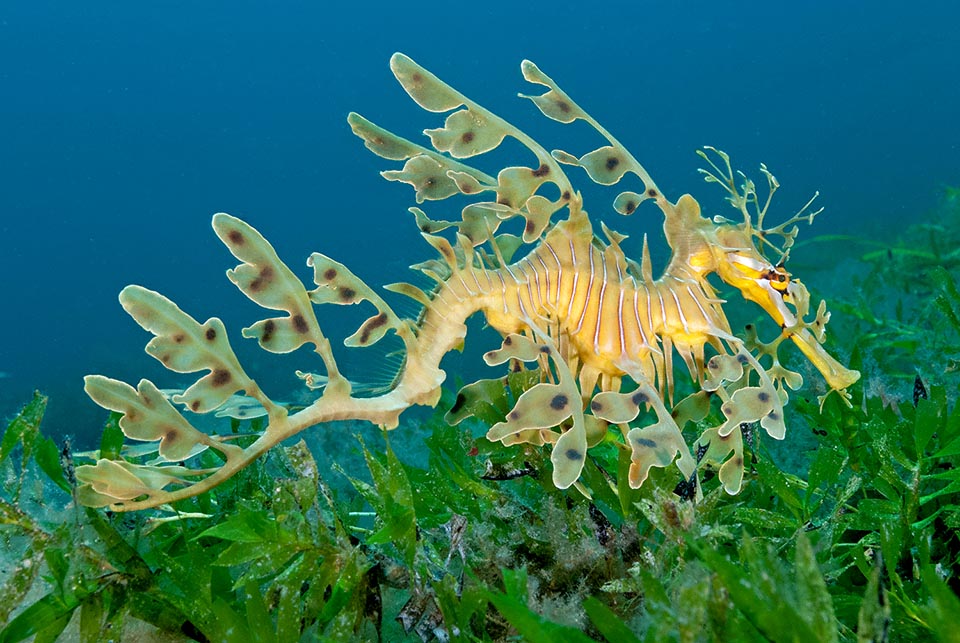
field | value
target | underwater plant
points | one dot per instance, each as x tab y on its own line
602	330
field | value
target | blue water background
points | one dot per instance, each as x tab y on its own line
125	125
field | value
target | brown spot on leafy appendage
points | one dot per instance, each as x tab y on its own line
374	324
263	279
595	406
612	162
504	201
330	274
543	170
211	334
563	106
300	324
559	402
529	227
195	405
639	398
573	454
458	403
630	207
417	78
566	195
762	396
170	436
467	137
652	193
178	338
221	376
269	327
236	237
347	294
645	442
514	416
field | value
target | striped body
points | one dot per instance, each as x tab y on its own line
606	320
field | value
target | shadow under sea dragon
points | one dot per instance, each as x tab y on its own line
602	330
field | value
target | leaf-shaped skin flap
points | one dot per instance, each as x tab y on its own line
721	369
466	133
427	176
656	446
747	405
147	415
427	90
262	276
411	291
481	221
475	400
370	332
541	407
555	103
627	202
606	165
120	480
182	344
569	454
467	183
381	142
336	284
713	449
517	184
278	334
210	391
513	347
428	225
617	408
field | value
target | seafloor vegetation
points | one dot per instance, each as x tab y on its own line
847	531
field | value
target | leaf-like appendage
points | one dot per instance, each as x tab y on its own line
184	345
656	445
467	133
513	347
266	280
555	103
617	408
605	165
541	407
427	176
427	90
381	142
337	285
763	403
713	448
411	291
108	481
722	369
147	415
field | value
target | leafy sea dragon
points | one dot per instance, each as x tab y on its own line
601	329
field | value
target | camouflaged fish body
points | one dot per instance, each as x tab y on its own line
601	329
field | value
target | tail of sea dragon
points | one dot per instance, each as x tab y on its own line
602	330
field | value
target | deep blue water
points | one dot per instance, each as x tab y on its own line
124	126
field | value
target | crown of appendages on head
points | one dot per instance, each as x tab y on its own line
600	328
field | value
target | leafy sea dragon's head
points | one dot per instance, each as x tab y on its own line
730	249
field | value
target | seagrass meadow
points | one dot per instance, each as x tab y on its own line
691	455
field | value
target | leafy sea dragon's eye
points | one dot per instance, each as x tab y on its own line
778	277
